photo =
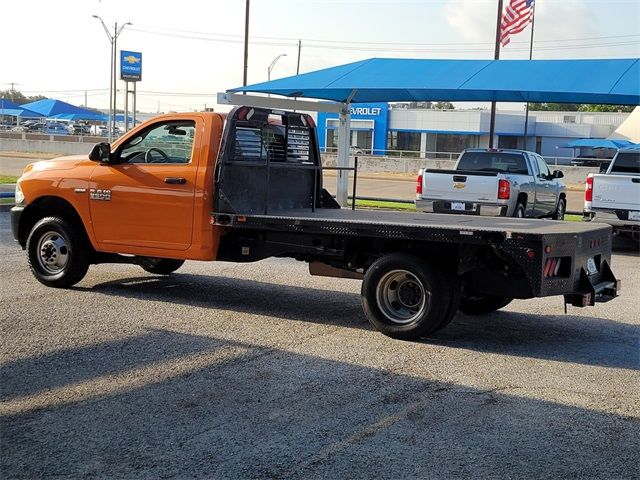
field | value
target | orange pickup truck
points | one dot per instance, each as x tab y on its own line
247	186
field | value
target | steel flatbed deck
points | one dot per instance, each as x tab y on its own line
418	223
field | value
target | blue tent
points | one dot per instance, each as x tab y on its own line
598	143
610	81
52	108
7	107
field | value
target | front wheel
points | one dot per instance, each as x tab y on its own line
480	305
405	298
57	253
560	211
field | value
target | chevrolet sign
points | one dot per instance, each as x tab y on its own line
130	66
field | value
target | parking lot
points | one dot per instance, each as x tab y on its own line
261	371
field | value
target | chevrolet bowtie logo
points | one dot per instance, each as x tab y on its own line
458	185
131	59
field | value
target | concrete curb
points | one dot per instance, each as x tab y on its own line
5	207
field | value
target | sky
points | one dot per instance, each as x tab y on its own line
193	49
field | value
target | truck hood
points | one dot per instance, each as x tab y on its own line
61	163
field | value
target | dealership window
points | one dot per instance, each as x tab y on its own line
505	141
409	141
332	140
446	142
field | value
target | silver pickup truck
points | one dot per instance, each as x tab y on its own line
494	182
613	197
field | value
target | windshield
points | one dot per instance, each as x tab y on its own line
493	162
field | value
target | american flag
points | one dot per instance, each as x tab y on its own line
515	18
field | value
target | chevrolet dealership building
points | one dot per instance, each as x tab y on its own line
378	127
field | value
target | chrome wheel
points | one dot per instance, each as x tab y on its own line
53	252
401	297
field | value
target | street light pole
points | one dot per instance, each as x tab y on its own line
273	65
113	40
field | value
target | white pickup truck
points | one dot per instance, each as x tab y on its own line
494	182
613	197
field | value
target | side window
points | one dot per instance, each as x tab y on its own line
169	142
542	166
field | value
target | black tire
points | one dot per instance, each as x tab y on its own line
454	304
58	253
519	212
161	266
560	211
405	298
481	305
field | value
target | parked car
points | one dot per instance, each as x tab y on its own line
494	182
56	128
613	197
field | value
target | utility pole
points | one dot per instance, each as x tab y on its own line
496	56
246	45
299	48
85	99
526	110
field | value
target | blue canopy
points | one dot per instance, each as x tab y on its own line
598	143
609	81
7	107
52	108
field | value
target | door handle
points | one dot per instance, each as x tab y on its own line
635	180
175	180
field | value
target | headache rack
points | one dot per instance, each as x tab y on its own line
270	161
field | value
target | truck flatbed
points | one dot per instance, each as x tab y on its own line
422	221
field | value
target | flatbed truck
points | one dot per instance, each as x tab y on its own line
247	186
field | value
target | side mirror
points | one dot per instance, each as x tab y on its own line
100	152
604	166
558	174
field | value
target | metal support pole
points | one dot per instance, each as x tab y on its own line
112	127
298	64
246	45
126	106
112	66
134	104
526	112
496	56
344	142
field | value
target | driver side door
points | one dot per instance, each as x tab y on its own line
146	200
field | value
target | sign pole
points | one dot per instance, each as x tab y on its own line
126	106
134	104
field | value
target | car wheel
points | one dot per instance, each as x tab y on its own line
519	211
403	297
57	253
560	211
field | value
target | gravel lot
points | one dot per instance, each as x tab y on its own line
261	371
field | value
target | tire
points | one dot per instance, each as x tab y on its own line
405	298
454	304
161	266
58	253
519	211
481	305
560	211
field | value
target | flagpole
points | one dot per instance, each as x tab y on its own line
526	111
496	56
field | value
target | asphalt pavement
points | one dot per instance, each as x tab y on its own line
261	371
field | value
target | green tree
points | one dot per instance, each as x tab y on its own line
18	97
578	107
443	106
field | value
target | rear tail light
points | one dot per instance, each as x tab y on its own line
552	267
504	189
588	190
419	185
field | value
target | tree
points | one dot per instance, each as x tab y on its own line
578	107
18	97
443	106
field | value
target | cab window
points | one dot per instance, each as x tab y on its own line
169	142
